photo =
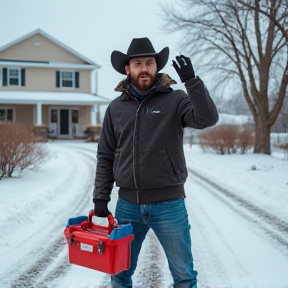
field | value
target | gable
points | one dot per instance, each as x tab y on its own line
37	47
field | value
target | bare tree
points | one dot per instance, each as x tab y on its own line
244	41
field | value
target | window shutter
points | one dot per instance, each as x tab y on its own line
23	77
76	79
58	79
4	78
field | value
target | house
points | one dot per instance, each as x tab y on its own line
46	84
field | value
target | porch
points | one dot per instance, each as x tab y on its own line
54	115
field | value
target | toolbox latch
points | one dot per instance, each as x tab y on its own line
100	247
72	241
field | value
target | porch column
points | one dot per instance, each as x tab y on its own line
98	113
94	115
39	114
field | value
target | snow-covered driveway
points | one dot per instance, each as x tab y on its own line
234	245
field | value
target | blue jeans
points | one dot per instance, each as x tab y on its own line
169	221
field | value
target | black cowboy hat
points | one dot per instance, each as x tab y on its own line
139	47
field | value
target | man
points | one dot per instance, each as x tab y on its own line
141	149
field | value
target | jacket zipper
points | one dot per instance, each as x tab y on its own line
133	149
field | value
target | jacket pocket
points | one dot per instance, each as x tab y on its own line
169	165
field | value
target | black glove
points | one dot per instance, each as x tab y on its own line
185	71
100	208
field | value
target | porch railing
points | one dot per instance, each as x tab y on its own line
93	133
40	133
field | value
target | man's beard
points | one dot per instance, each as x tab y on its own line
143	86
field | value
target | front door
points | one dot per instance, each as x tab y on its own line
64	122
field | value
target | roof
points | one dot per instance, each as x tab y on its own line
54	98
39	31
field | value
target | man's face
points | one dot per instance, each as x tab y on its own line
142	71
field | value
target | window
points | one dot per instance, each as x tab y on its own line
13	76
75	116
54	115
9	115
2	115
67	79
6	114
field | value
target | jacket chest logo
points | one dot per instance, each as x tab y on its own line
153	111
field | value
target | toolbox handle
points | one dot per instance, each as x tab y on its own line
112	222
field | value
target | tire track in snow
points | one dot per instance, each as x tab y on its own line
207	258
276	228
62	266
33	276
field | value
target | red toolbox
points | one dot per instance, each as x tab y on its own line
105	249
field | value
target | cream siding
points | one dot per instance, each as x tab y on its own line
85	116
24	114
46	51
44	79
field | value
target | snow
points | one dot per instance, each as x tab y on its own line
232	248
259	177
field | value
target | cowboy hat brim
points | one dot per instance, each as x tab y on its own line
119	60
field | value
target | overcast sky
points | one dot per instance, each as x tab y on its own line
93	28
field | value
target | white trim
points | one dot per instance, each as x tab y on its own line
94	81
49	65
8	76
34	113
52	98
39	31
93	115
39	114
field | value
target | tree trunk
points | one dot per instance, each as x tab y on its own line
262	138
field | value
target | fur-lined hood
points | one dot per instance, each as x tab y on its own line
163	82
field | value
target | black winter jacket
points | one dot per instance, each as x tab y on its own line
141	144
